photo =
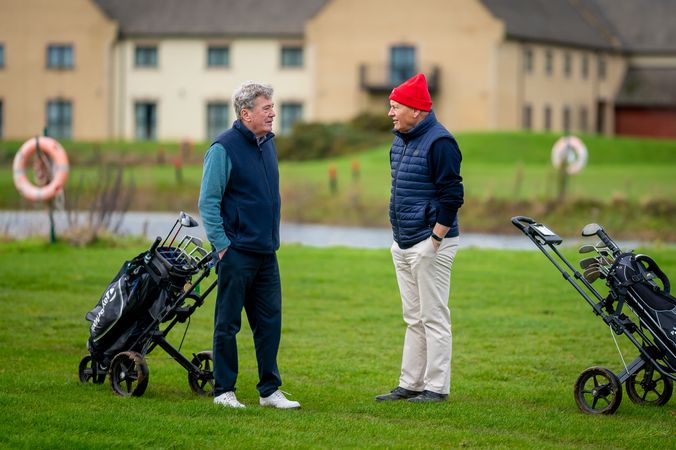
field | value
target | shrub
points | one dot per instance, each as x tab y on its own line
375	123
321	140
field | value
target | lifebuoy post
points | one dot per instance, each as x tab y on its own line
43	146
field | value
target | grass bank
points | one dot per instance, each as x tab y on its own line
521	338
628	184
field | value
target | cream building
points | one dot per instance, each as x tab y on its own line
483	74
184	96
55	69
165	69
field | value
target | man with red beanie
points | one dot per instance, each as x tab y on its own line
426	194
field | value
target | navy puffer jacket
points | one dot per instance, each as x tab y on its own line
413	202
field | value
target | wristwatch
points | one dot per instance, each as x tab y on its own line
436	238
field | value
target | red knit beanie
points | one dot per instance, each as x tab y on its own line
413	93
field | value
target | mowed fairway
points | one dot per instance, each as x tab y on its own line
521	338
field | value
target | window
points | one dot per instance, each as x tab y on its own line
60	119
528	60
218	118
549	62
145	56
292	56
567	64
145	114
585	66
218	56
566	119
60	56
584	119
291	113
402	64
602	68
548	118
527	119
2	56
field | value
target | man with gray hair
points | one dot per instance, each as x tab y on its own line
240	207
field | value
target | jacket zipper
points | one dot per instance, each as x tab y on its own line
396	182
267	183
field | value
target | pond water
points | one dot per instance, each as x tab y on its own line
21	224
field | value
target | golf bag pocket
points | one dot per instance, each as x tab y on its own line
119	307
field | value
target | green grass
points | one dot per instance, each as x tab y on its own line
628	183
492	163
521	337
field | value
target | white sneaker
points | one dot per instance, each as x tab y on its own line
278	400
228	400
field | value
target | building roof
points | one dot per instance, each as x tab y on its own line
648	87
565	22
210	17
644	26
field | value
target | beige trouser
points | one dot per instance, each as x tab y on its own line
424	278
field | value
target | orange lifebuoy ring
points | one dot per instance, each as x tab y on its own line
59	159
573	151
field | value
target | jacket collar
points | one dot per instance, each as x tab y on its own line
419	129
248	134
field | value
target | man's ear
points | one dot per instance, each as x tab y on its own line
245	115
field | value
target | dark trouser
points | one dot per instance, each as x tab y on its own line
248	280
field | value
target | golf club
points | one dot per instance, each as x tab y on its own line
186	221
588	248
591	274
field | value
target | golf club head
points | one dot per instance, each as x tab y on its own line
587	262
197	241
591	274
591	229
187	220
587	248
606	257
600	244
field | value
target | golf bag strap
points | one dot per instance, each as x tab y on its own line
654	268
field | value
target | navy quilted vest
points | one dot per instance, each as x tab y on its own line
413	204
251	203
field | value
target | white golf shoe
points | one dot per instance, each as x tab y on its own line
278	400
229	400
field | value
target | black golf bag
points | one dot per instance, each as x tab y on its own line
632	280
136	297
636	306
158	287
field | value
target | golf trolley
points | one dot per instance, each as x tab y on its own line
159	287
631	280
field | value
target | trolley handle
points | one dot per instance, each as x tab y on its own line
517	221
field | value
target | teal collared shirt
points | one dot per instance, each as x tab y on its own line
217	167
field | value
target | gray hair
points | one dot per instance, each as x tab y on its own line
246	95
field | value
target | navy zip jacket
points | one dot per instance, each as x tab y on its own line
239	199
426	183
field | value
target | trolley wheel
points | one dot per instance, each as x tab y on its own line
202	384
90	370
129	374
649	387
598	391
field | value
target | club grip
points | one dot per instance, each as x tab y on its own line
609	242
155	244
